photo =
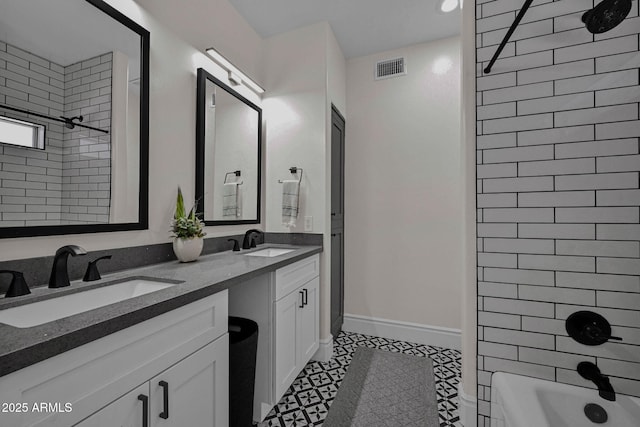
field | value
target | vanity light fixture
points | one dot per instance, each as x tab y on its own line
234	79
236	76
446	6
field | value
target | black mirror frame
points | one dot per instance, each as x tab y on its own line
143	197
203	76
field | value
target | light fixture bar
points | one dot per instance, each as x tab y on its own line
233	70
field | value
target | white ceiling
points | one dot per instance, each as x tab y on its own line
362	27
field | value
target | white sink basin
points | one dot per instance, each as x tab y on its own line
270	252
37	313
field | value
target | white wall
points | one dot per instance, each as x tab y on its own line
336	77
212	23
468	152
403	237
294	113
173	65
125	142
298	67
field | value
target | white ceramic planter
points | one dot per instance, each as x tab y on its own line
188	250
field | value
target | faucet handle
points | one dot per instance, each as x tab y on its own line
18	286
236	244
589	328
92	272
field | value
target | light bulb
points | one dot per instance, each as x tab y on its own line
448	5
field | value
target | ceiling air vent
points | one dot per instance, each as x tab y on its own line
390	68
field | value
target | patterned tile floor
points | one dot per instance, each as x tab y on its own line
307	401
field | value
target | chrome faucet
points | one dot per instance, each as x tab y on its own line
248	241
591	372
59	273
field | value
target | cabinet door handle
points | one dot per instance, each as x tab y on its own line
301	299
305	300
165	399
145	409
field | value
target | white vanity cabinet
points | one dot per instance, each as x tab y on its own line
296	333
187	349
285	304
190	393
296	318
126	411
197	390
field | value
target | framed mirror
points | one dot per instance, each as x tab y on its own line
74	118
228	147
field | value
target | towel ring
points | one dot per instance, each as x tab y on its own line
236	173
294	170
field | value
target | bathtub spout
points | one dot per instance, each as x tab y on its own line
591	372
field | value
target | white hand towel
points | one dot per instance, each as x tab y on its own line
290	197
230	200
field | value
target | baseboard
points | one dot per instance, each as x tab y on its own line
325	350
468	408
405	331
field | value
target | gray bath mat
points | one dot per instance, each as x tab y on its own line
385	389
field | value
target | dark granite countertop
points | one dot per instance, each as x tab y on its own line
22	347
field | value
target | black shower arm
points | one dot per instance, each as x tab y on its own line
507	36
61	120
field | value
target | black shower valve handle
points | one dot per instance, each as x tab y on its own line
589	328
92	272
593	331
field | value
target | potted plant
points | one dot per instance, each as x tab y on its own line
188	231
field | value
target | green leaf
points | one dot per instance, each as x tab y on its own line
179	205
186	226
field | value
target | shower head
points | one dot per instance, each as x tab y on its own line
606	15
68	121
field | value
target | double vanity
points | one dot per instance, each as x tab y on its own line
150	346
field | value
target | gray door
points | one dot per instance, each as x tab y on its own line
337	221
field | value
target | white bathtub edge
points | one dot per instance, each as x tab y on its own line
468	408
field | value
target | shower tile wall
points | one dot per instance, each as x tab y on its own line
558	193
69	181
86	174
31	179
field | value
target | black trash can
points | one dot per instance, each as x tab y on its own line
243	345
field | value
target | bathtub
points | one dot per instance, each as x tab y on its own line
518	401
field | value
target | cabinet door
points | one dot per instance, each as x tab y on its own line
195	391
127	411
308	323
286	355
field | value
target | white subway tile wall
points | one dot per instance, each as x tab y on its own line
69	181
86	173
31	179
558	193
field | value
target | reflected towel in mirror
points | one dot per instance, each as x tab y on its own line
230	200
290	192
